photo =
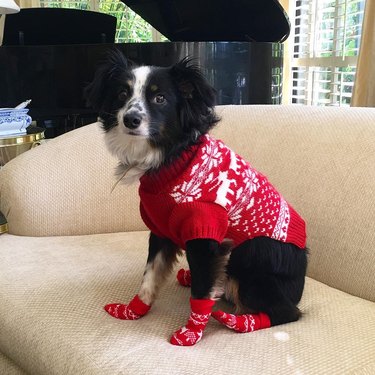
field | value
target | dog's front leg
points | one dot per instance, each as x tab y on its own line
203	257
161	257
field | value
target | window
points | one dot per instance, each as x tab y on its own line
326	45
130	26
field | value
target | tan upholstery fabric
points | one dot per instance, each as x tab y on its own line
321	159
7	367
64	188
53	290
364	84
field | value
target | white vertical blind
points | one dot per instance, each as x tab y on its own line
326	44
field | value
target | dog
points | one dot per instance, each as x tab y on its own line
242	240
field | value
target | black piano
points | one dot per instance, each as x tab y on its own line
237	43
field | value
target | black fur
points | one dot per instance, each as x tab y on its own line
189	111
110	79
270	276
202	256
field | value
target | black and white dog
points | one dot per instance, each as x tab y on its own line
243	241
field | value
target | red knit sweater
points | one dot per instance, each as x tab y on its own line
211	192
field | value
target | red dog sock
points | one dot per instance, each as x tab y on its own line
184	277
134	310
243	323
192	332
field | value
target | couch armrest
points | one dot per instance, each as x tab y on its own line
63	187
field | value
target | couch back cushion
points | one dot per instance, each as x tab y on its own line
321	159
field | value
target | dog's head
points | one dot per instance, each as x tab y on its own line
151	109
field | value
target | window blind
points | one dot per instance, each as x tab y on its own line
326	45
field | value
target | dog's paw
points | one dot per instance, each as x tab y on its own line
133	311
186	337
242	323
184	277
192	332
120	311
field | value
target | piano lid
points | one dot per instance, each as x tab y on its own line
215	20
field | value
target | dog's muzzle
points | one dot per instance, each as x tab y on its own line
132	120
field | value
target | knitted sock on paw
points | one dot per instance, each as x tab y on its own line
192	332
134	310
243	323
184	277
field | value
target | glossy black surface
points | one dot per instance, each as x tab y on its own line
42	26
54	76
215	20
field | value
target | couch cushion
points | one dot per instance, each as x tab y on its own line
53	290
7	367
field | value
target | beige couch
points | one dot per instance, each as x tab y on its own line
74	246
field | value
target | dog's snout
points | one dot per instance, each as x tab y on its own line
132	120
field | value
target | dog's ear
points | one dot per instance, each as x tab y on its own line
191	82
198	96
98	92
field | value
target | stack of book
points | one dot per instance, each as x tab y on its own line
14	121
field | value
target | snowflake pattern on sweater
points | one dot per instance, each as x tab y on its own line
235	190
200	174
212	192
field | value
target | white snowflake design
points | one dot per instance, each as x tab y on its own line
127	313
244	199
281	228
253	206
232	323
191	190
198	319
187	335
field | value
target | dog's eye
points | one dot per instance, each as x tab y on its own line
159	99
123	95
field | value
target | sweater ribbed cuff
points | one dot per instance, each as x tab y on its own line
202	221
296	229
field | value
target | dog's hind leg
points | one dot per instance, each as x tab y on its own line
243	323
269	302
269	276
161	257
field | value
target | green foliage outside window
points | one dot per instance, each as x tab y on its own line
346	19
130	26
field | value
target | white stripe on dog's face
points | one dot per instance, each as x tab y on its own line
131	146
136	103
141	75
137	100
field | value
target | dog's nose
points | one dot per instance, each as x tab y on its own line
132	120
